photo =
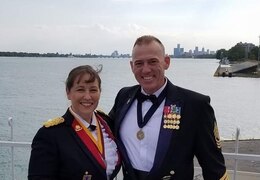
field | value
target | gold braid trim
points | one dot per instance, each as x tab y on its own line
53	122
216	134
224	177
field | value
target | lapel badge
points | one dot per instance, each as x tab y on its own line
128	101
78	128
171	117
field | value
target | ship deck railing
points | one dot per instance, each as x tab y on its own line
234	174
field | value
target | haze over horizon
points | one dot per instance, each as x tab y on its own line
102	26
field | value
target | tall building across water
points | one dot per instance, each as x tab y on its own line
178	52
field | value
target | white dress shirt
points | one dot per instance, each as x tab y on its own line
142	152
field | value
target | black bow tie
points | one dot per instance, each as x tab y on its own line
92	127
142	97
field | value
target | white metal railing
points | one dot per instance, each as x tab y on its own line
236	156
15	144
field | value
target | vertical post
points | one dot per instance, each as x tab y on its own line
236	152
10	123
258	59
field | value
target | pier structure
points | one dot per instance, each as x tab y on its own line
242	69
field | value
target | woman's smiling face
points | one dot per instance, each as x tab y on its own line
84	96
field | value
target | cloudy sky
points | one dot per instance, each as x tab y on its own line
102	26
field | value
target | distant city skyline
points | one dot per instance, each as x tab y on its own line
180	51
103	26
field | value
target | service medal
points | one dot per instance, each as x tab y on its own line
140	134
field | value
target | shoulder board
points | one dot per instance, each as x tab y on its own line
53	122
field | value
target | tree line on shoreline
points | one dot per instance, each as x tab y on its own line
26	54
239	52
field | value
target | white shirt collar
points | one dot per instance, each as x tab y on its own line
158	92
94	119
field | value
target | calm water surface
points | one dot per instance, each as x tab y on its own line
32	91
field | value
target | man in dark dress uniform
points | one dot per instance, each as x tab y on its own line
160	126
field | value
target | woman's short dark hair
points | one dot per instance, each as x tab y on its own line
80	71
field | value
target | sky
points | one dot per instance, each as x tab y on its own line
103	26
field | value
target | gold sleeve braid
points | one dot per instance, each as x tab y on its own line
216	134
225	176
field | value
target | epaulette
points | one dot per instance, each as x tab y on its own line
53	122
